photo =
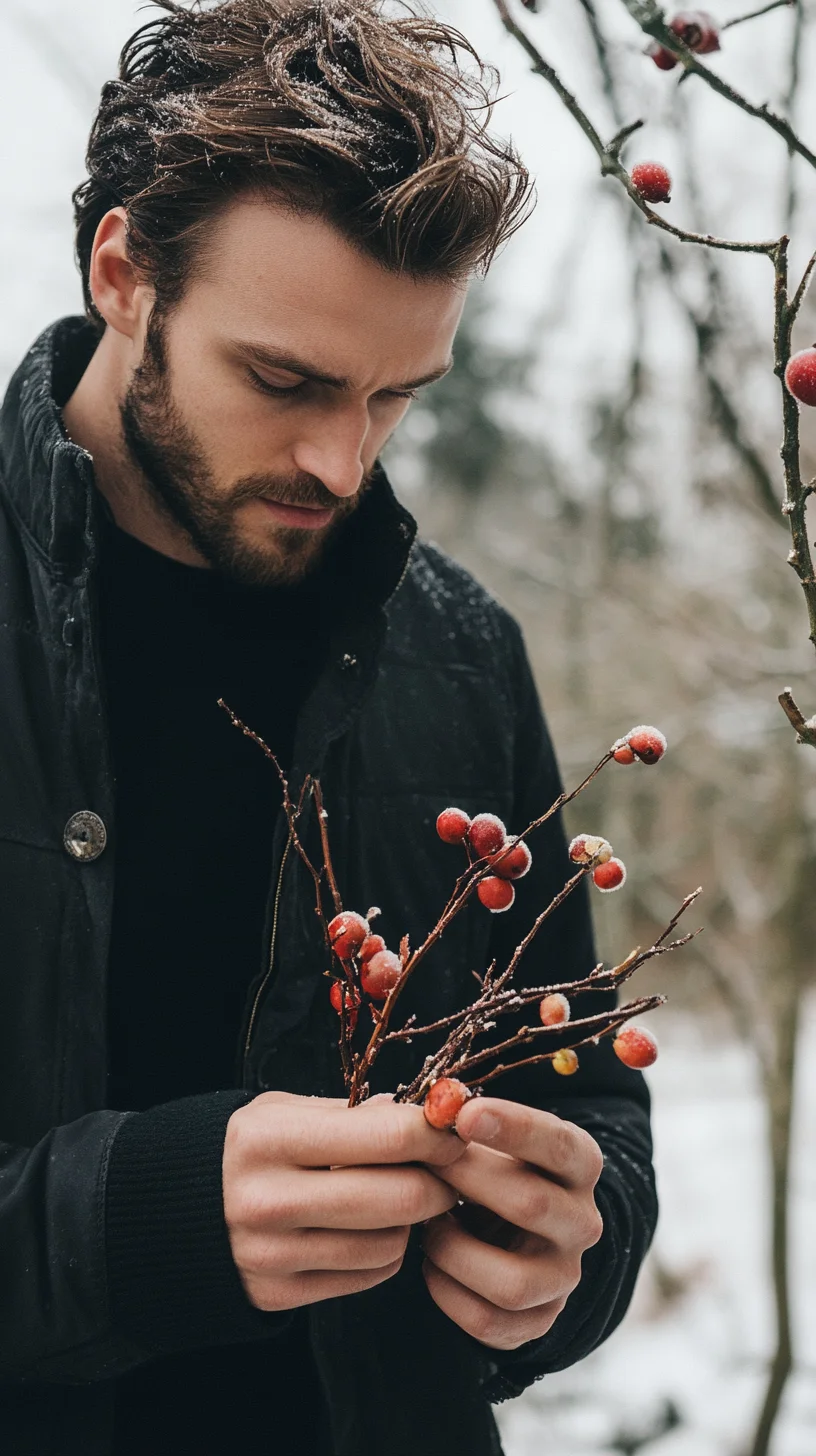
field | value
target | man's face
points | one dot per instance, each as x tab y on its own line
264	398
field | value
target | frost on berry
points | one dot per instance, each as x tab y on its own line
623	752
800	376
565	1062
610	876
652	181
496	894
380	974
371	946
663	58
487	835
347	931
445	1101
587	848
636	1047
512	863
452	826
648	743
554	1010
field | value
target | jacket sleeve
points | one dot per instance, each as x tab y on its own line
113	1246
604	1097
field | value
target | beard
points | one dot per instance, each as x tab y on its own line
176	473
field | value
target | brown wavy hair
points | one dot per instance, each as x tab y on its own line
376	117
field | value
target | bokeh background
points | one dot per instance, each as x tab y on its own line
604	458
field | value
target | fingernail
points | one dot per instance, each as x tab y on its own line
485	1128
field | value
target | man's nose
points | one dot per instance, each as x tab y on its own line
334	453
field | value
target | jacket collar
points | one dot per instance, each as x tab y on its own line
49	482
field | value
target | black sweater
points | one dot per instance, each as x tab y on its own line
196	805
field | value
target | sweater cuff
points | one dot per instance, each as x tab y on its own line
173	1284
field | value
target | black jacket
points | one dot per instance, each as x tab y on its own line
113	1248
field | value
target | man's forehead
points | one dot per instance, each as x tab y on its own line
298	271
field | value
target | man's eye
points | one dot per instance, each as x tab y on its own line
278	391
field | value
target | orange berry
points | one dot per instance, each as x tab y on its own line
565	1062
635	1046
496	894
445	1101
648	743
610	876
347	931
379	975
554	1010
487	835
623	752
513	863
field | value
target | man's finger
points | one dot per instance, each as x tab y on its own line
525	1278
382	1132
345	1198
565	1152
520	1194
494	1327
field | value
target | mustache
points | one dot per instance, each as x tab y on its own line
296	490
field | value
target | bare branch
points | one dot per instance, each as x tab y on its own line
651	20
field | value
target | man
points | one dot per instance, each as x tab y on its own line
202	1249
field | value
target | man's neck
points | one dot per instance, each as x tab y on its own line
92	420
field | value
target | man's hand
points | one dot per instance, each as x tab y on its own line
319	1199
538	1173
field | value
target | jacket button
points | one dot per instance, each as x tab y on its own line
85	836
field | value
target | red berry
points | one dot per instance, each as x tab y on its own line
352	998
347	932
380	974
610	876
588	847
452	826
554	1010
487	835
636	1047
445	1101
800	375
652	181
512	863
648	743
711	35
565	1062
663	58
496	894
371	946
697	29
623	752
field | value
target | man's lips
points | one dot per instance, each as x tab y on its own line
309	518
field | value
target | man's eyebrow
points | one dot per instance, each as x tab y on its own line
270	358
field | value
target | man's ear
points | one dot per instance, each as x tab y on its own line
118	290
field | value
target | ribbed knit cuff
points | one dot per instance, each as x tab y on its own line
172	1281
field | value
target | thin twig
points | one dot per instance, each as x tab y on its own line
651	20
753	14
607	154
805	728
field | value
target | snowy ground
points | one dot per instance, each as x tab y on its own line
684	1374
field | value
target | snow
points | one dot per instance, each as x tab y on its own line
684	1374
